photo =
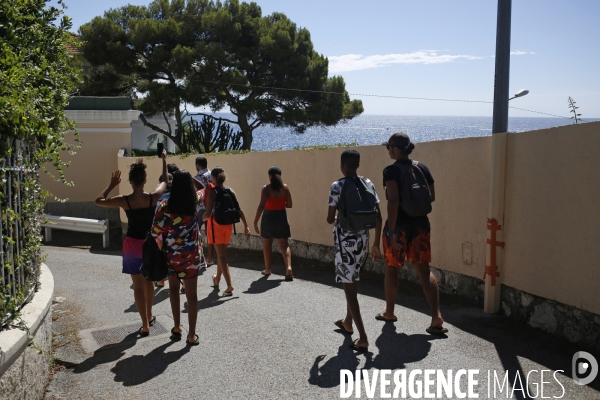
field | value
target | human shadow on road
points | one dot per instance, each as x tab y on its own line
212	300
328	374
263	284
138	369
396	349
107	354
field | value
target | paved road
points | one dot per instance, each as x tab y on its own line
274	339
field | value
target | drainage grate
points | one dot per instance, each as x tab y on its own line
125	333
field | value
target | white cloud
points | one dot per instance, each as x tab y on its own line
521	52
355	62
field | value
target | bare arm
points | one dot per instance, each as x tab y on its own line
288	202
113	202
375	251
260	208
331	214
160	189
197	184
392	209
243	218
209	205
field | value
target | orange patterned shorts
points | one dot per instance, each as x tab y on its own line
416	246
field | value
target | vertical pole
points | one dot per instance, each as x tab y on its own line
498	167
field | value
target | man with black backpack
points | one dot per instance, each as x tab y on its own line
410	192
354	199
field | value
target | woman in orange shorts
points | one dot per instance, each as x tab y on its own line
217	234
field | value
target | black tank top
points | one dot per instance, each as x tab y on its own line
139	220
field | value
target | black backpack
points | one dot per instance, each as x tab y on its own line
155	266
357	206
226	208
415	194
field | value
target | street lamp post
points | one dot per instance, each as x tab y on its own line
494	243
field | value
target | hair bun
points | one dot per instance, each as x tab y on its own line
138	164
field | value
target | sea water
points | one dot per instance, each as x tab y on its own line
374	129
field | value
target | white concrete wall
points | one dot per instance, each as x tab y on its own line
144	138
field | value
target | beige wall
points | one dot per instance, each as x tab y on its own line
91	166
460	168
553	214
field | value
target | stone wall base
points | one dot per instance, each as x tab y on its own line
567	322
25	365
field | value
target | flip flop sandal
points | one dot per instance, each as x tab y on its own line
265	274
342	327
159	286
143	334
227	294
289	278
438	330
380	317
175	336
152	321
194	343
354	346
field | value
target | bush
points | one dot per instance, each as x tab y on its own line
38	73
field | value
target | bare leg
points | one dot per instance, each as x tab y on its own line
391	291
267	253
430	287
347	322
287	255
192	300
149	297
175	303
209	252
139	296
223	267
351	291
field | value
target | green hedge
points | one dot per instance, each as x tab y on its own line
37	75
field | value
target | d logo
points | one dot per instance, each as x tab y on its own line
584	367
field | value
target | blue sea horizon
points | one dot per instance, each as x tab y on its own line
374	129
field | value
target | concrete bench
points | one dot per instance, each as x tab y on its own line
77	225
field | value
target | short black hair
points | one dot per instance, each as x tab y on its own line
172	168
351	158
202	161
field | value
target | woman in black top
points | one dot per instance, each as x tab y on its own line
139	207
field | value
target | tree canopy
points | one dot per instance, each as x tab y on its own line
221	55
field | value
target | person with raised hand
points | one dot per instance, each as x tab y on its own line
177	222
274	199
139	207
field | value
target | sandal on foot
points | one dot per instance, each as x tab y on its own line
175	336
159	286
264	273
227	294
152	321
436	330
380	317
342	327
289	278
142	333
194	343
356	347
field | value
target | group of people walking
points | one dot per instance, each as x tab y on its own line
175	212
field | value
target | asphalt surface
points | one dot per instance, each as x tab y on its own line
275	339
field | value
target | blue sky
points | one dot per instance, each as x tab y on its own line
443	49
